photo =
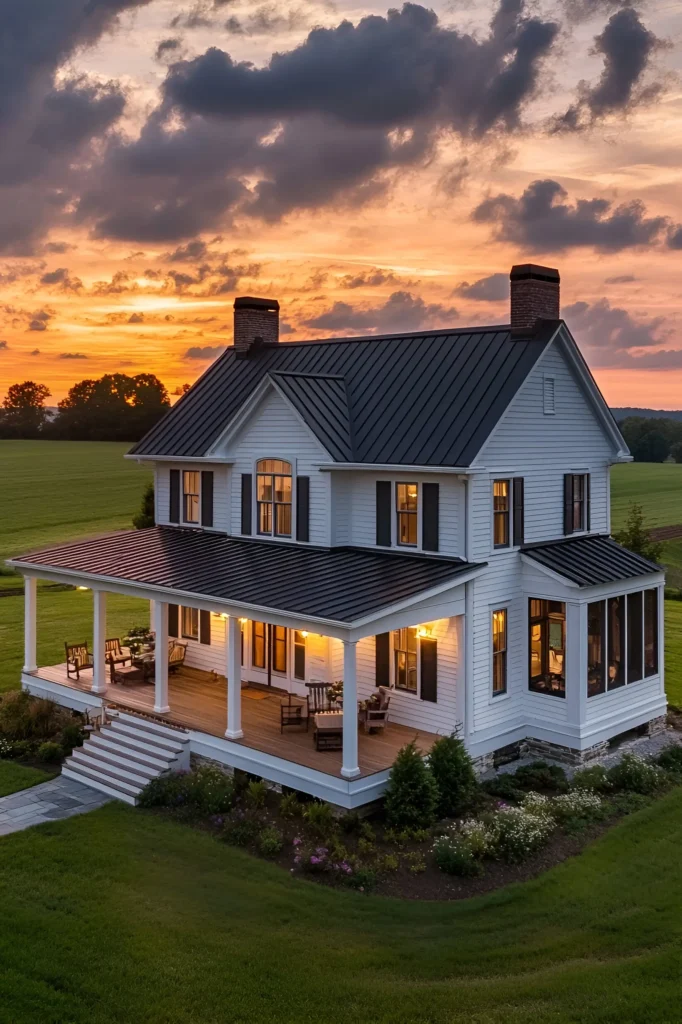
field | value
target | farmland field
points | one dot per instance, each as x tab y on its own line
657	487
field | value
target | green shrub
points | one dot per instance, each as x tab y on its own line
580	805
454	774
23	748
50	752
23	717
595	778
6	748
320	819
628	803
503	786
270	841
366	847
389	862
516	833
416	862
412	793
72	736
459	850
290	806
207	789
541	776
350	821
241	832
636	775
256	793
367	832
670	759
364	879
165	791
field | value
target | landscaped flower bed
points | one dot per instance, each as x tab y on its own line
36	731
410	849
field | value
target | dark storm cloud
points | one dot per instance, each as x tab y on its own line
204	352
374	278
76	112
62	280
402	311
627	47
39	320
675	237
608	333
541	220
577	11
168	48
487	289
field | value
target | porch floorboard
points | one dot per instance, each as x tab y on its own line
198	701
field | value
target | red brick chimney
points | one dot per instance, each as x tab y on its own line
256	323
534	296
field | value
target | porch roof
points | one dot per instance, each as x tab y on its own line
340	585
589	561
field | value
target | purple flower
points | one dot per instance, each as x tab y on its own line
322	851
297	860
297	841
314	860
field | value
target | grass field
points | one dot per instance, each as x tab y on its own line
121	916
14	777
656	487
55	491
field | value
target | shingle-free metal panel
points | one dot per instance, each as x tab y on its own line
431	398
589	561
341	584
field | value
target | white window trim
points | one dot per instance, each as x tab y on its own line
498	698
413	695
394	527
254	501
510	546
183	521
181	611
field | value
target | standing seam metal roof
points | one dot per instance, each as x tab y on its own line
431	398
339	584
589	561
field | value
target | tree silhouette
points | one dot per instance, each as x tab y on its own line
23	413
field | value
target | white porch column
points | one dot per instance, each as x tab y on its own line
350	768
99	630
30	614
234	679
161	657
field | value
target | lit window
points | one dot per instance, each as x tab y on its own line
273	497
190	623
190	494
258	634
405	659
299	654
499	651
501	513
650	632
616	628
406	497
279	648
547	647
596	648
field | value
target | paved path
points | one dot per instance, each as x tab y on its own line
50	801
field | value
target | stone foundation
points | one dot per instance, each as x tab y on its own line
546	751
656	726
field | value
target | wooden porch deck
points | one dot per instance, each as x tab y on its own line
198	701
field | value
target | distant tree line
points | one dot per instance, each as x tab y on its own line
116	407
653	440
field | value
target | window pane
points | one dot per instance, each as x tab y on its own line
407	527
282	488
283	520
500	651
264	518
264	488
501	513
406	497
596	660
650	632
635	645
190	623
547	647
405	659
616	642
299	655
258	644
279	648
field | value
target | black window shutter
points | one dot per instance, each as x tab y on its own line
384	488
173	620
246	504
519	509
303	508
382	673
207	498
174	509
430	496
429	667
568	503
588	503
204	627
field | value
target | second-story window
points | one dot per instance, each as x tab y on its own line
576	502
406	501
190	496
273	497
501	513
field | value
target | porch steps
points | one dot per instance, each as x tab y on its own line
126	754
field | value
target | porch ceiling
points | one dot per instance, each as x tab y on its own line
340	585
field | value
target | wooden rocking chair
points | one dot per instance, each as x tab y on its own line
78	657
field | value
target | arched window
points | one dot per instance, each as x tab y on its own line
273	497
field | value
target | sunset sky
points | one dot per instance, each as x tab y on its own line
374	169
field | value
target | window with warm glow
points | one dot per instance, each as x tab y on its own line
190	623
407	498
501	515
547	647
405	659
499	651
190	496
273	497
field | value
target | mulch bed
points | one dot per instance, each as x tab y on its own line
666	532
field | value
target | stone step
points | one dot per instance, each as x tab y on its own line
162	744
99	782
155	728
106	741
117	771
136	741
119	757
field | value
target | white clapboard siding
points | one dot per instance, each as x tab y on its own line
274	431
355	521
208	657
615	701
221	492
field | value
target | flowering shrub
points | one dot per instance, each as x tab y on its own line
460	849
206	789
270	841
670	758
319	859
636	775
595	778
319	819
536	803
516	833
580	803
6	748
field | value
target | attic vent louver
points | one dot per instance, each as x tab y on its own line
548	396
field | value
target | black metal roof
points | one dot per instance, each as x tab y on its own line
339	584
430	398
589	561
322	401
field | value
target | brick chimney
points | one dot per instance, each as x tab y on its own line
256	323
534	296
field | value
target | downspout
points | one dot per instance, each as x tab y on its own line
468	620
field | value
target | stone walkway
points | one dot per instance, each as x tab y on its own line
50	801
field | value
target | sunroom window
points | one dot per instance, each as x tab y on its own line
622	641
273	497
547	647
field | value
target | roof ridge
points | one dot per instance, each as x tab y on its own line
312	376
346	339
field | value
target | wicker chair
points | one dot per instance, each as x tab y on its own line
78	657
294	711
114	652
176	655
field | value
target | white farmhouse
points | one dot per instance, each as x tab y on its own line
427	513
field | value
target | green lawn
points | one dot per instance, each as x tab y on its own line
120	916
14	777
656	487
54	491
